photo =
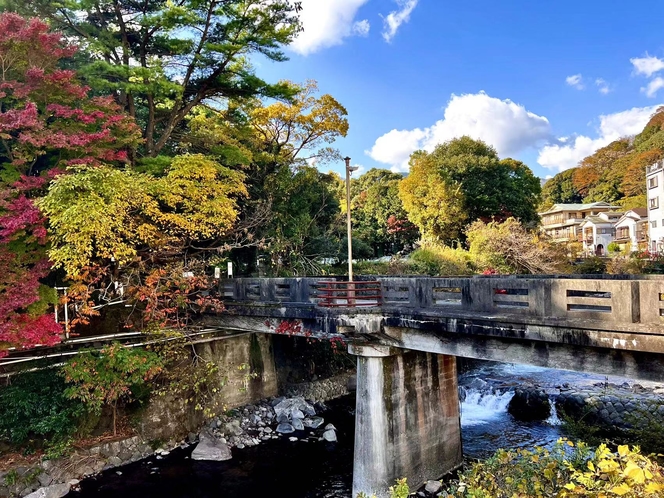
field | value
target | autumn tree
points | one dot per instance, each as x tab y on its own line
47	123
162	59
464	180
290	206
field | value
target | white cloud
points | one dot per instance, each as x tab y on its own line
602	86
567	154
507	126
576	81
327	22
397	17
653	87
647	65
361	28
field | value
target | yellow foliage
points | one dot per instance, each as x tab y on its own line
101	213
566	471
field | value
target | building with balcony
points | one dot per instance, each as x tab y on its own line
632	230
598	232
655	192
563	221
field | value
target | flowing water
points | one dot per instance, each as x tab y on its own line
324	470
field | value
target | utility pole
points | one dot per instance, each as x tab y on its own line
349	171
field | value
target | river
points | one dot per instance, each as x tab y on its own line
316	469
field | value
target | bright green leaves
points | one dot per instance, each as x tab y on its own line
464	180
100	214
109	376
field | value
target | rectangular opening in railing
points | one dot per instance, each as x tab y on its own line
510	298
336	294
282	292
228	289
589	300
253	292
395	294
447	296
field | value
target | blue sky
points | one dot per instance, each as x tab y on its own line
544	82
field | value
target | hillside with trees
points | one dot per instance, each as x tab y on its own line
615	173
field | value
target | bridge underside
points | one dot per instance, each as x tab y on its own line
560	346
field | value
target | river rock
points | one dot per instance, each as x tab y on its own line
285	428
54	491
330	435
313	422
529	404
432	487
211	449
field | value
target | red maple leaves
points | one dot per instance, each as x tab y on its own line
47	123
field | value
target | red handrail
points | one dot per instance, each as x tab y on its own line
342	294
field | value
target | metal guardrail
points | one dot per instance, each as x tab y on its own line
340	294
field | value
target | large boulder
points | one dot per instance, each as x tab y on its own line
54	491
211	449
530	404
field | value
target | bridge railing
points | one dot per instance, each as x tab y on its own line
619	300
341	293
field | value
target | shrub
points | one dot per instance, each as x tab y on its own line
613	247
509	247
568	470
34	410
109	376
590	266
433	259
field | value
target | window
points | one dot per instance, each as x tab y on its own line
652	182
653	224
654	203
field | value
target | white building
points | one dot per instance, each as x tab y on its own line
598	232
563	221
655	186
632	230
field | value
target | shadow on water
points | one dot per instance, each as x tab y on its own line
277	468
317	469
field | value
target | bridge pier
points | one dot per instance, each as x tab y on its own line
407	418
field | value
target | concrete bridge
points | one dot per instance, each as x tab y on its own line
407	333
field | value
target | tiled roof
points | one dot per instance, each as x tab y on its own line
578	207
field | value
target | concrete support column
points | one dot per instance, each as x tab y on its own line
407	418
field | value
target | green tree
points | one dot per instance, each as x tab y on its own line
379	218
560	190
162	58
108	377
464	180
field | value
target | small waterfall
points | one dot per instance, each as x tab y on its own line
553	418
481	407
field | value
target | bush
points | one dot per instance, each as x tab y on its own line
509	247
613	247
568	470
432	259
34	410
590	266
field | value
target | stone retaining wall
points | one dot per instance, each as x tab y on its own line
613	407
323	390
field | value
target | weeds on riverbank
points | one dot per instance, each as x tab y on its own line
568	470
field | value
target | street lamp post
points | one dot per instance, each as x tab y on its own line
349	171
